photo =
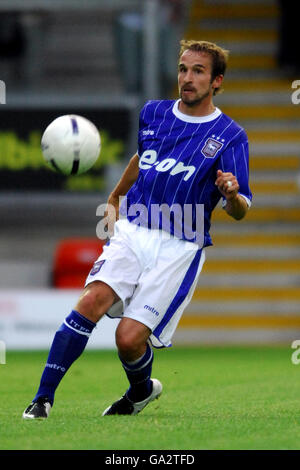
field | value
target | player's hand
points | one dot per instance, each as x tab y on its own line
227	184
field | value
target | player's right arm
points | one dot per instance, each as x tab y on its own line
127	179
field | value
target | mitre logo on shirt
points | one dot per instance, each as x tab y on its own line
211	147
148	132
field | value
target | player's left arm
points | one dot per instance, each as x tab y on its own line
236	205
232	178
127	179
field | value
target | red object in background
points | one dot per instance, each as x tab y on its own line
73	259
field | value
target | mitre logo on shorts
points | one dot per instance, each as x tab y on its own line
97	266
211	147
152	309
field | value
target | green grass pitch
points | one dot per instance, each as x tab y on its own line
213	398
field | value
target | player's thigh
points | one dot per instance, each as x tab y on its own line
164	291
95	300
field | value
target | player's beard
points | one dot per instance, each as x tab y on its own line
196	101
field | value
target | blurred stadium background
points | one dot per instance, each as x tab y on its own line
103	59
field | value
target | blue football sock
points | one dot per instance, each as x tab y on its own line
68	344
139	376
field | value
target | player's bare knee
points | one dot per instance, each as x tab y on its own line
131	339
125	344
130	344
85	305
94	301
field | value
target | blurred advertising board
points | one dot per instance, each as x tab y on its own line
30	318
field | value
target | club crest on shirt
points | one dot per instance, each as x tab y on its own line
211	147
96	268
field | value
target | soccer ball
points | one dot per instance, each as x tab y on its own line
71	144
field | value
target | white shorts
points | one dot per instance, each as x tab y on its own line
153	274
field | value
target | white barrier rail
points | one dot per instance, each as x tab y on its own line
29	319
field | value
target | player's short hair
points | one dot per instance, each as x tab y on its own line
218	54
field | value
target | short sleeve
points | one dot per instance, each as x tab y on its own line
235	159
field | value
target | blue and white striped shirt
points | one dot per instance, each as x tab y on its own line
179	156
